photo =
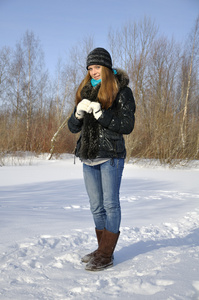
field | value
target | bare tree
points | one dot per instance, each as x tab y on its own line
5	54
33	57
132	45
26	80
69	77
194	38
62	96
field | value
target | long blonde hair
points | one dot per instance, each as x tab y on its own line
108	89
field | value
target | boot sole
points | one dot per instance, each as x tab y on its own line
100	268
87	260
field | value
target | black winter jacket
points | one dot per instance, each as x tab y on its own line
103	138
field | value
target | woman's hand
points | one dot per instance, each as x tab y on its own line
95	108
82	108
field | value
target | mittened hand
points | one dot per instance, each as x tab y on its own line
95	108
82	108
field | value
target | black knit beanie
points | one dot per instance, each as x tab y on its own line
99	56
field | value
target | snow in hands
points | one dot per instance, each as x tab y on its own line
46	227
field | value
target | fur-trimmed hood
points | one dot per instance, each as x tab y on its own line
122	78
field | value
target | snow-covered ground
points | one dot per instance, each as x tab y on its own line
46	226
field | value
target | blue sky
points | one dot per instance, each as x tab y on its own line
61	24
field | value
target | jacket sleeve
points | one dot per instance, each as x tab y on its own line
121	118
74	124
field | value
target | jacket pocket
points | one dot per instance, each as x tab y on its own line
113	142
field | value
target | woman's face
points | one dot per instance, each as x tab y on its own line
95	71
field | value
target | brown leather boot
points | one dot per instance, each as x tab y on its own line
87	257
102	258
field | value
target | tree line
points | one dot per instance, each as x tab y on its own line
164	77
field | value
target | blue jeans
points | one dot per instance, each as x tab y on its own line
103	185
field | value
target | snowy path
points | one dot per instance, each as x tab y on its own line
46	226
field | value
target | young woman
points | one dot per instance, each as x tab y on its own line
104	111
